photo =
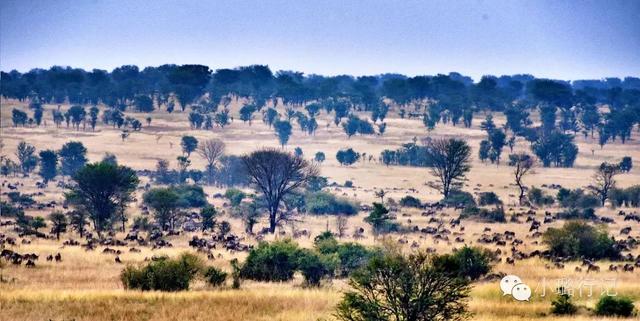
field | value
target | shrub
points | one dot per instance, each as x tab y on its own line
321	203
351	256
190	196
579	239
578	214
215	276
348	184
395	287
163	274
315	266
347	156
562	305
410	201
468	262
576	198
8	210
235	196
316	183
614	306
626	164
492	215
539	197
489	198
380	220
276	261
459	198
629	196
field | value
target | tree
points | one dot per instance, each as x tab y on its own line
26	157
144	104
450	160
378	218
626	164
78	220
93	116
276	174
102	189
48	165
211	150
498	139
522	164
246	113
58	223
37	223
208	215
37	116
556	148
604	180
319	157
395	287
72	157
484	150
347	156
77	114
189	144
270	116
164	202
283	131
222	118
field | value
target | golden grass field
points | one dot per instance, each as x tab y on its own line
86	285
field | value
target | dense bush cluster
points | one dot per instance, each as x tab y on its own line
577	198
614	306
577	239
629	196
320	203
409	154
163	274
488	215
467	262
539	198
410	201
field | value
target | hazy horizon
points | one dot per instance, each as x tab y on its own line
547	39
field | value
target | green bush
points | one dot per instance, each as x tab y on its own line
578	214
410	201
492	215
316	183
321	203
562	305
614	306
467	262
629	196
275	261
577	198
163	274
235	196
459	198
489	198
539	198
314	266
190	196
351	256
578	239
215	276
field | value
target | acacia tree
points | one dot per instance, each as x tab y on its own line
604	180
450	160
522	164
189	144
101	189
211	150
48	165
58	223
26	157
276	173
395	287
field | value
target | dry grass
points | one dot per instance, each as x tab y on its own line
86	286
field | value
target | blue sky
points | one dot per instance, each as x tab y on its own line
557	39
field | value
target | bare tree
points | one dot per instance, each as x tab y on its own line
276	173
449	163
604	180
211	150
522	164
341	225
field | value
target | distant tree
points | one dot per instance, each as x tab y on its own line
450	162
276	174
320	157
144	103
246	113
484	150
222	118
189	144
37	116
355	125
298	152
164	202
58	223
312	125
556	148
72	157
378	218
48	165
26	157
211	150
522	165
283	131
604	180
100	189
270	116
208	215
382	127
18	117
183	166
37	223
626	164
58	117
77	114
488	125
93	117
78	220
347	156
497	138
110	159
590	118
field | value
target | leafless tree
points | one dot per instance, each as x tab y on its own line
604	180
211	150
522	164
275	174
341	225
449	163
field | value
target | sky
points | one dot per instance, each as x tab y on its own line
559	39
